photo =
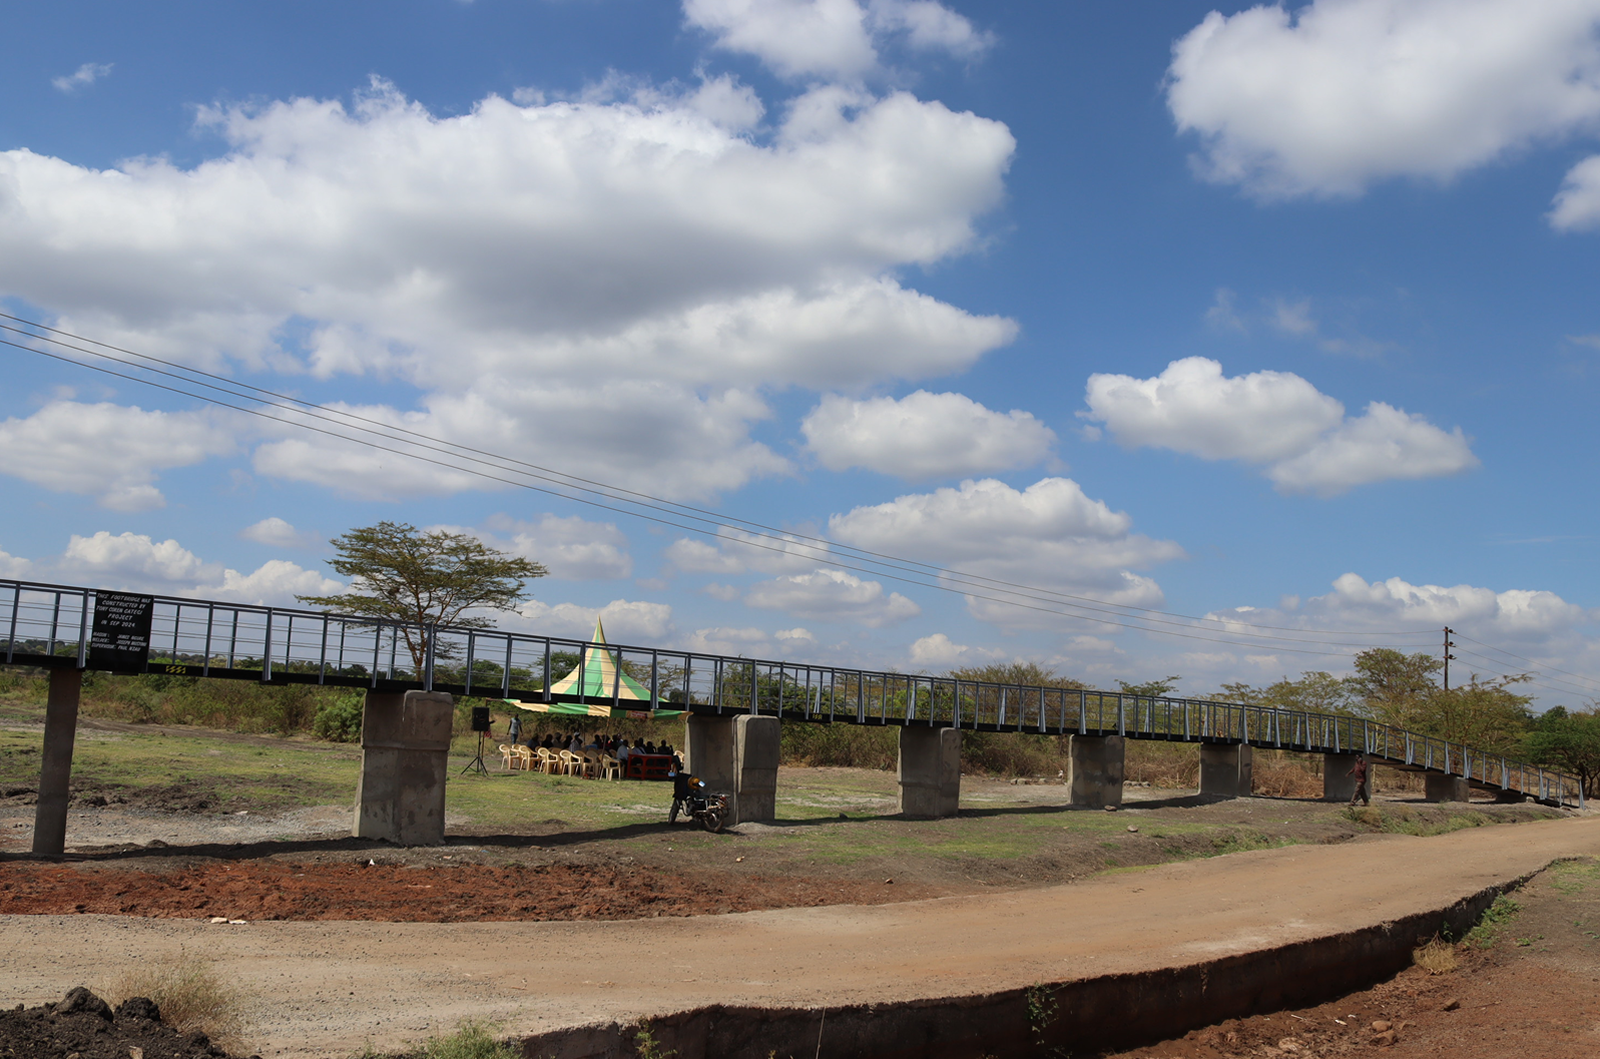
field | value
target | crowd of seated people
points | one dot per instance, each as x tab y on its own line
613	746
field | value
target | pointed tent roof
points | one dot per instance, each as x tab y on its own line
598	675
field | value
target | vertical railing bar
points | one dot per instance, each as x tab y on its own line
11	637
211	618
322	670
466	677
266	650
616	678
83	630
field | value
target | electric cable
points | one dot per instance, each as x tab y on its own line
388	430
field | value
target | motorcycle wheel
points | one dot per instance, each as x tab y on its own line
672	814
712	819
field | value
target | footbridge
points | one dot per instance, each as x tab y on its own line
734	707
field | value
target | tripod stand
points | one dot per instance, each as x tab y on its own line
476	764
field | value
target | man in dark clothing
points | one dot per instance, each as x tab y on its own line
1359	771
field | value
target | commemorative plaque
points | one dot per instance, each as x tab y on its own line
120	637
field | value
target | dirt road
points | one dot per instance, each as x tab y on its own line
328	988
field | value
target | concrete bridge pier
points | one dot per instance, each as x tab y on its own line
1226	769
1337	783
1098	767
405	747
739	756
55	768
930	772
1437	787
756	747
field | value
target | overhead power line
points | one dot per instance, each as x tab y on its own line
494	467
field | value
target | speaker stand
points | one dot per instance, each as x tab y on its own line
476	764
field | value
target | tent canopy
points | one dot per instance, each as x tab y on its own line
598	675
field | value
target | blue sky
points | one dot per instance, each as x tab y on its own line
1267	326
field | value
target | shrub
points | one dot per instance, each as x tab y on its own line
471	1041
191	996
339	721
1436	957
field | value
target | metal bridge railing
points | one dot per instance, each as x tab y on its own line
51	625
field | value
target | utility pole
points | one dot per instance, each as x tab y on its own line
1447	656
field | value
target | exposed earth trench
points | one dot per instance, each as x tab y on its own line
1108	961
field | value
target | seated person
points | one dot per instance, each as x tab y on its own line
575	744
622	752
664	748
649	748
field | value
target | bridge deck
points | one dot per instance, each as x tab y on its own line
61	626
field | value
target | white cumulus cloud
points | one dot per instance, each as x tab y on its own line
276	533
1049	535
834	39
1549	631
609	284
833	595
1336	94
940	652
137	562
571	548
626	621
108	451
737	551
82	77
1577	205
1275	419
923	435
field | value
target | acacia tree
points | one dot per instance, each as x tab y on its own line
1570	742
402	574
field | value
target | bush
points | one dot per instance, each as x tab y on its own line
191	995
1436	957
472	1041
339	721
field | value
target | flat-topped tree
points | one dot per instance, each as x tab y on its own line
402	574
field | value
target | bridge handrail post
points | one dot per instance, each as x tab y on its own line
16	608
322	667
83	631
266	650
211	618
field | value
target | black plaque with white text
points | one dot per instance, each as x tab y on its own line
120	640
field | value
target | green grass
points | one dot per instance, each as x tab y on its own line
1401	820
231	774
1496	919
473	1040
1575	876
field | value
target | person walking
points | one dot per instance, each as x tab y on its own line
515	732
1359	771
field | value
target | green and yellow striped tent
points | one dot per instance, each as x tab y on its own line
598	675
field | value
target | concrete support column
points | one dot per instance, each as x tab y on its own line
1437	787
1337	783
711	751
756	752
1226	769
930	772
55	769
405	748
1097	770
1510	797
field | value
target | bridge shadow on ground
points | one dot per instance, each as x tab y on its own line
566	839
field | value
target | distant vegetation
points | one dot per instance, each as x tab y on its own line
1388	687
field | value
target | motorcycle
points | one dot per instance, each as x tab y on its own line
691	798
